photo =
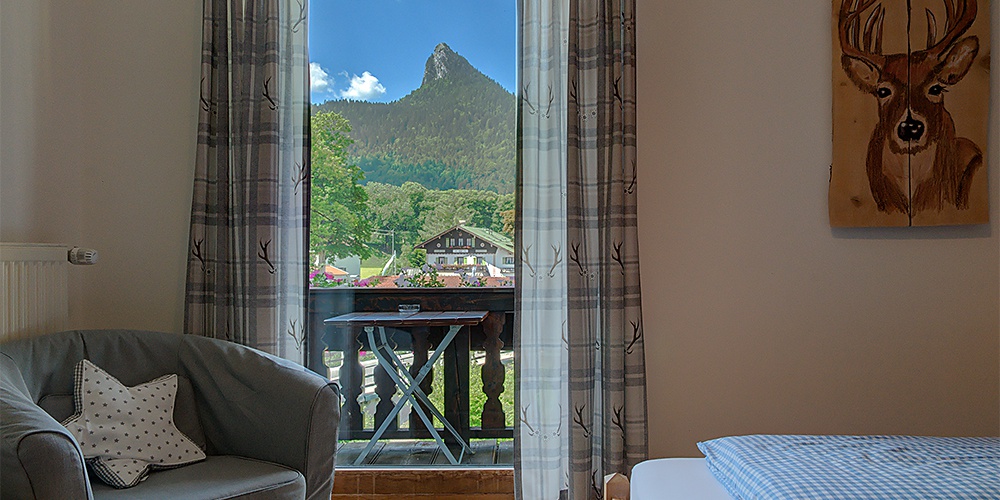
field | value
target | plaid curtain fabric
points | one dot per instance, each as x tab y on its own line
581	384
541	443
247	268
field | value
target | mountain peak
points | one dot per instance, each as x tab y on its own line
445	63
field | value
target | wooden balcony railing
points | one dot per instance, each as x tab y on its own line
492	337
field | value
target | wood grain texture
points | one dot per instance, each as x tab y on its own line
942	175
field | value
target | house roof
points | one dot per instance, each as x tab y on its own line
496	239
335	271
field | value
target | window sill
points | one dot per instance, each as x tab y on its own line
468	484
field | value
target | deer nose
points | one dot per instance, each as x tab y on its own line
910	129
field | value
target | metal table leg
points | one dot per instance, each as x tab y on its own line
411	392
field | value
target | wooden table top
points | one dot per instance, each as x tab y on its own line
397	319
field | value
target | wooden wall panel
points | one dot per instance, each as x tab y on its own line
926	176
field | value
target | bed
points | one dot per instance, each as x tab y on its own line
675	479
826	467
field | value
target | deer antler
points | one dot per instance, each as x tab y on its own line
617	420
636	335
556	260
196	251
578	420
526	259
293	332
959	19
864	44
263	254
617	255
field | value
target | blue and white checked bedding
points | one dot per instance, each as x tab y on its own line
781	467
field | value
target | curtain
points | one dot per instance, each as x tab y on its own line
581	382
247	267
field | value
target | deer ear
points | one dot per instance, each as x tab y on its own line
863	73
958	61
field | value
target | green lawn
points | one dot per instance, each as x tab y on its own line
373	265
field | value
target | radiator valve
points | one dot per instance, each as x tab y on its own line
82	256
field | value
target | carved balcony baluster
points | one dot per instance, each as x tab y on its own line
421	344
493	372
385	388
352	379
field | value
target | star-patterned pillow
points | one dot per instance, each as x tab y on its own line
126	432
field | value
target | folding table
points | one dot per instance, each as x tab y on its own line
393	365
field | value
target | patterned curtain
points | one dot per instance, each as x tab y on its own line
246	279
581	383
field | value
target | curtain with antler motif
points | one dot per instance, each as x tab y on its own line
581	382
247	267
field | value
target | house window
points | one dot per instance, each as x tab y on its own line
442	260
508	261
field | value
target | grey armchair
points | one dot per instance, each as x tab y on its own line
269	427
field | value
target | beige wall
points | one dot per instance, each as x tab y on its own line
98	111
758	317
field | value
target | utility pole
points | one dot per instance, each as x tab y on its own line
395	262
391	233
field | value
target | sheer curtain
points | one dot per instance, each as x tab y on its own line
246	278
581	382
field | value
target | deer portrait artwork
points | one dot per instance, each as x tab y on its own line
910	111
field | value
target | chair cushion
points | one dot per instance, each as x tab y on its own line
219	476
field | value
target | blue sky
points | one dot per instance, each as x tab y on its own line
375	50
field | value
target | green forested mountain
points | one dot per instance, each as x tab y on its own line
454	132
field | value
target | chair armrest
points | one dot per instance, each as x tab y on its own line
256	405
38	457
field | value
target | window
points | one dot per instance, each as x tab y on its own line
413	141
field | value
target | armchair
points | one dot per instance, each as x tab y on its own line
268	426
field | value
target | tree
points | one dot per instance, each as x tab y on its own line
340	224
509	220
417	257
506	214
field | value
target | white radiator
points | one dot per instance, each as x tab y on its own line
35	289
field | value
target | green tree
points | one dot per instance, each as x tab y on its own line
509	220
505	214
341	223
417	257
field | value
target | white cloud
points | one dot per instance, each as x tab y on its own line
319	80
363	87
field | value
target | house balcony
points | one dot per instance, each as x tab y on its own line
472	383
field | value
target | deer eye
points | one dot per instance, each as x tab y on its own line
883	92
936	90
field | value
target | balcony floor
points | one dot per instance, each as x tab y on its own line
425	453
